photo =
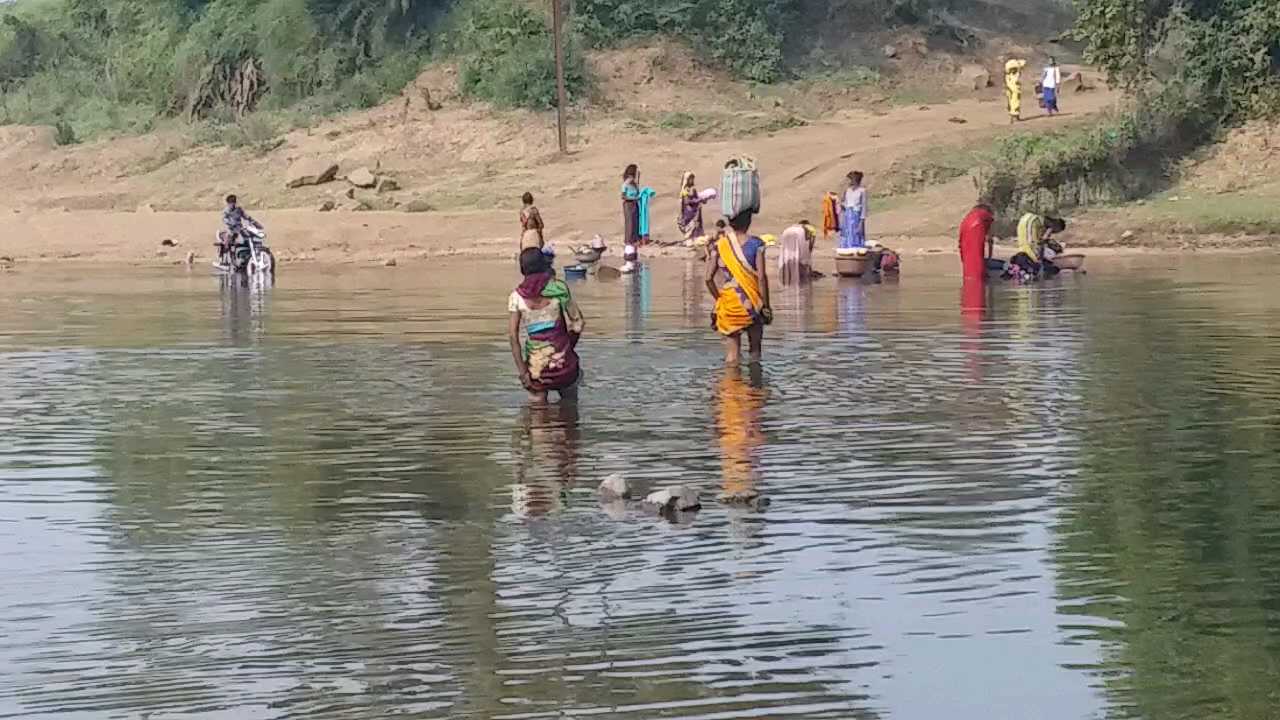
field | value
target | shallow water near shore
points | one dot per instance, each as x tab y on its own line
329	499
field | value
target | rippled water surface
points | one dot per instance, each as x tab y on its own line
330	500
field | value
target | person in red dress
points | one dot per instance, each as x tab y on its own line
975	242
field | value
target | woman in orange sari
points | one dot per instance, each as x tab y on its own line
742	303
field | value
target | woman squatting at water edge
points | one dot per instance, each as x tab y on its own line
544	327
742	302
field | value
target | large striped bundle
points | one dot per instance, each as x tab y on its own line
740	187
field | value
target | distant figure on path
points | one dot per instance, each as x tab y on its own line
975	242
690	220
543	329
1013	88
1050	82
531	226
853	221
742	303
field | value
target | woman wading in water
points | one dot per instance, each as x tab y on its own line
742	303
544	328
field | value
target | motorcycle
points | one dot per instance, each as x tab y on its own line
247	252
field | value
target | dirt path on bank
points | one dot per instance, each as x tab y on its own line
577	194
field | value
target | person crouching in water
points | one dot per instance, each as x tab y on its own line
544	327
742	302
1036	246
795	261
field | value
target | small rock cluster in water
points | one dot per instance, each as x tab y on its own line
614	493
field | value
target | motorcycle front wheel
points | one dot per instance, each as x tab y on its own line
266	264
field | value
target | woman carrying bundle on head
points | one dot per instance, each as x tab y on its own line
742	302
1013	88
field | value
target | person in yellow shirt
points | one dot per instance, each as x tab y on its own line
1035	236
1013	87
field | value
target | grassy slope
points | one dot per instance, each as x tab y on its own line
1228	195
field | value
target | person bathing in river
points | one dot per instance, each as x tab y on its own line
1036	246
544	327
853	220
742	302
531	226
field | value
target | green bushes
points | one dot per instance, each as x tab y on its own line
506	55
747	36
1231	47
1123	156
120	65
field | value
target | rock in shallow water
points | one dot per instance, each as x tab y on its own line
615	486
677	497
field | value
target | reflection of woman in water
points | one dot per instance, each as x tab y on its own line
850	309
974	303
738	422
546	458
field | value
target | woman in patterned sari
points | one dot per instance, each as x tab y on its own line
690	220
544	328
742	303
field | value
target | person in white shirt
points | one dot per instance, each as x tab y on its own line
853	221
1050	83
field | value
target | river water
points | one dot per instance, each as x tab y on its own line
330	499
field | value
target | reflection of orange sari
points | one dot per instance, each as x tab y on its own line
738	307
740	432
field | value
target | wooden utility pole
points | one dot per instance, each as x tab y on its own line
562	100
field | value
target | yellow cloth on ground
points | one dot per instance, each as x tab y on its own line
1013	85
1030	235
740	299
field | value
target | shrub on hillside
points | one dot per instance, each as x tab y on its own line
507	56
745	35
1123	156
119	65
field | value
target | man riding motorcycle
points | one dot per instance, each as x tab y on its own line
233	218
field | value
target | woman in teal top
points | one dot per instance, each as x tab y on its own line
631	206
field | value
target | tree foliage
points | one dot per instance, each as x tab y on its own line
1231	47
747	36
506	56
101	62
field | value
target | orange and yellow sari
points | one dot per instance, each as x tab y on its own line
739	417
738	307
